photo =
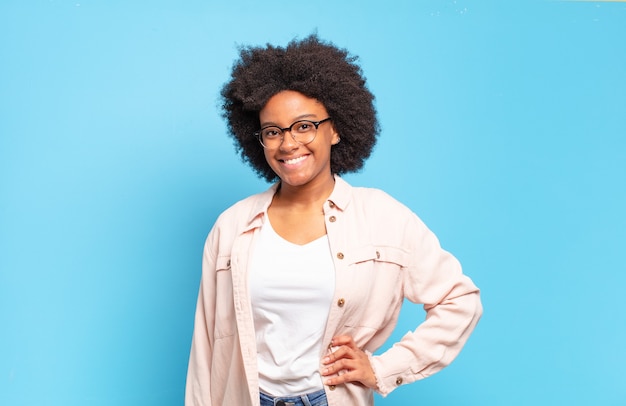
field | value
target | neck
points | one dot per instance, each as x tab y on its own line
306	195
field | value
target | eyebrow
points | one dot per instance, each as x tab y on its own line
298	118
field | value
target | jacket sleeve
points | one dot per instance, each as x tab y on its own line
198	387
453	308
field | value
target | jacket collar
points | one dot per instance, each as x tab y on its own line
341	193
340	196
259	207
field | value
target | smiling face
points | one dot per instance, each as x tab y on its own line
295	164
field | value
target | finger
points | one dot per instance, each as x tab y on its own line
340	353
349	376
343	340
339	366
350	371
335	355
361	375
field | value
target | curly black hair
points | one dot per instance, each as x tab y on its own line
318	70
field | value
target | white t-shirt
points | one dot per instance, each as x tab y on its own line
291	288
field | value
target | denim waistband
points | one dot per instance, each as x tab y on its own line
310	399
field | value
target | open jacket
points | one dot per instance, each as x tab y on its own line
383	254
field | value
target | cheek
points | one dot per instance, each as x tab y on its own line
270	160
267	156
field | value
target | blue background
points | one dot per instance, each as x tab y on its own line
503	127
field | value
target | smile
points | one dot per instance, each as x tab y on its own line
295	160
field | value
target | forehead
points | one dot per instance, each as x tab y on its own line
290	105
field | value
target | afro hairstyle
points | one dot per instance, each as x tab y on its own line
318	70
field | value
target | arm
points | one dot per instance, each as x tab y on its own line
198	391
452	305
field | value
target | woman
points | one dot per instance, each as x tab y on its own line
302	283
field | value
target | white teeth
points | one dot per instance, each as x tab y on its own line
295	160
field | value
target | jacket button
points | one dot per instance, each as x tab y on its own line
399	381
341	302
332	219
377	255
340	255
331	204
228	263
332	387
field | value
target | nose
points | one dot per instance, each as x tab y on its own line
288	142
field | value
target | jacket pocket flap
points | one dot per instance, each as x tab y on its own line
393	255
379	253
222	263
362	254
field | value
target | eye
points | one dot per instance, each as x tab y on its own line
304	126
271	132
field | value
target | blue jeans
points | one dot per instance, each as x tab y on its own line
310	399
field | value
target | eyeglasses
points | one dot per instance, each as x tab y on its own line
302	131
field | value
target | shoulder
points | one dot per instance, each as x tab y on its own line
241	216
246	209
365	199
381	211
376	200
389	222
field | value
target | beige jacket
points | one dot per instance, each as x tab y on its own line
383	253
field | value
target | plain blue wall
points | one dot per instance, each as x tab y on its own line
504	127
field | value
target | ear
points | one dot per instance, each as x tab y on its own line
335	137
